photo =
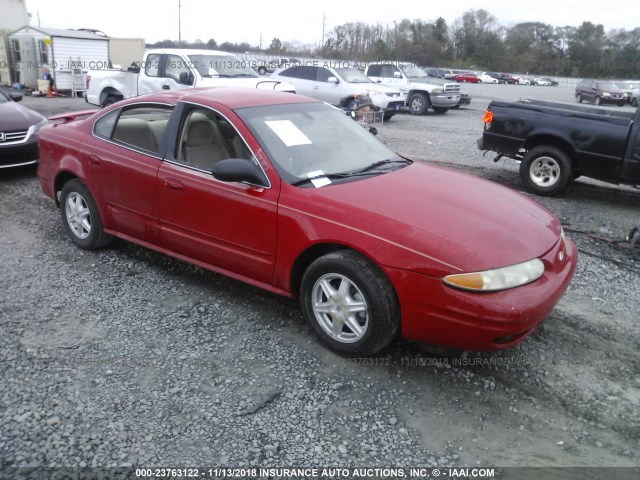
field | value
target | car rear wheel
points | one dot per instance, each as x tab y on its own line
418	103
387	116
545	170
350	304
578	98
80	216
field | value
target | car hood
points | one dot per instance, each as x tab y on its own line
15	118
466	223
249	82
376	87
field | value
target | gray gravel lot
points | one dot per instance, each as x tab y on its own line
127	357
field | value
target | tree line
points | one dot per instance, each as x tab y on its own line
475	41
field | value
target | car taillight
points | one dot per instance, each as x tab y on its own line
487	119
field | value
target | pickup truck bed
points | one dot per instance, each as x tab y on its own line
557	142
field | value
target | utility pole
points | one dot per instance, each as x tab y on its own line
324	17
179	23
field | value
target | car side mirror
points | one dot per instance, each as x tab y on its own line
239	170
186	78
16	97
332	80
397	75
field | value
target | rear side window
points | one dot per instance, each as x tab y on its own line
289	72
374	70
152	66
141	127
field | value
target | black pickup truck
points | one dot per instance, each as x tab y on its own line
558	142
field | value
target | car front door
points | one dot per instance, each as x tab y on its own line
173	73
231	227
329	91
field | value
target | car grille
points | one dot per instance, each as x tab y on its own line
13	137
395	104
617	96
451	88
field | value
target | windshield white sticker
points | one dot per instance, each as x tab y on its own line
318	179
288	132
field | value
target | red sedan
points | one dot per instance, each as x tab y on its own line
467	78
289	194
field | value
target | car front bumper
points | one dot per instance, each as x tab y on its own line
437	314
444	100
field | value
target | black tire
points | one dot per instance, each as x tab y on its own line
440	109
634	240
80	216
598	101
418	103
262	70
578	98
545	170
110	101
634	102
388	116
621	104
380	320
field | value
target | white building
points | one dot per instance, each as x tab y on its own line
36	49
14	15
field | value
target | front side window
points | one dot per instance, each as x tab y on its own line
141	127
206	137
176	66
289	72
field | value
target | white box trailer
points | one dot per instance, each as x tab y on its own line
36	50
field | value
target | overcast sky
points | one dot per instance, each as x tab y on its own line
239	21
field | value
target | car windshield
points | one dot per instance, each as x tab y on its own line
352	75
413	72
221	66
607	86
306	140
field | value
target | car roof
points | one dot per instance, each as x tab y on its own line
232	97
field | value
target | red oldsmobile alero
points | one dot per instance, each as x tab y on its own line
289	194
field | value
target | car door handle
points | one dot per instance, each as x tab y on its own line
95	161
172	184
166	87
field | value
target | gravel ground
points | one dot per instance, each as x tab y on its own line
127	357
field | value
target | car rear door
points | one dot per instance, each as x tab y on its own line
124	155
228	226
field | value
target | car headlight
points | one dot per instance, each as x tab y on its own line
437	90
35	129
606	94
498	279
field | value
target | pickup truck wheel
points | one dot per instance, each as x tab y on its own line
262	70
109	101
418	103
80	216
440	109
387	116
598	101
545	170
350	304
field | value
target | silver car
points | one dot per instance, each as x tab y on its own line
332	85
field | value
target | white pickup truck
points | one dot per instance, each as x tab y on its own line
173	69
421	91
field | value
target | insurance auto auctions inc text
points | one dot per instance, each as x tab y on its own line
460	473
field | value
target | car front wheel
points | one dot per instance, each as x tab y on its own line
350	304
545	170
80	216
418	103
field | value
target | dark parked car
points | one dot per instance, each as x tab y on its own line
558	142
19	127
599	92
502	77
